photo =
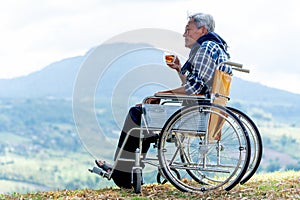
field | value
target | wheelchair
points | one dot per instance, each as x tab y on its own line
201	143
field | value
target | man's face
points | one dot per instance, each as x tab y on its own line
192	33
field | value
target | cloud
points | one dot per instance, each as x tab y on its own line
36	33
261	34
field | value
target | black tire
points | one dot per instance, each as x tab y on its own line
137	180
191	170
160	175
255	142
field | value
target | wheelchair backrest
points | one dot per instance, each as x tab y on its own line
221	87
219	95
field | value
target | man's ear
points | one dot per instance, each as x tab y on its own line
202	31
205	30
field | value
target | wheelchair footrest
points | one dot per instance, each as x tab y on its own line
100	172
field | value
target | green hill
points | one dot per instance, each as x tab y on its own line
41	150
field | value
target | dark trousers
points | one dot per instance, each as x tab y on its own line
122	173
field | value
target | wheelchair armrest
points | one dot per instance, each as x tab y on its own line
180	97
173	98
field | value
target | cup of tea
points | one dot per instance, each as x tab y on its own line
170	58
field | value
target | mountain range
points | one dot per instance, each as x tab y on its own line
58	79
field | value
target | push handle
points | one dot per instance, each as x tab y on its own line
241	70
238	65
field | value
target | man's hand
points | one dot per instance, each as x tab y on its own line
152	101
176	65
176	91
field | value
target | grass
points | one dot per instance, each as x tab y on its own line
278	185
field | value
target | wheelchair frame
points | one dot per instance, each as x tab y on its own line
214	163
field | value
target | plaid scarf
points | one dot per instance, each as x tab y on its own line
211	36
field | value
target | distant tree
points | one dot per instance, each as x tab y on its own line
274	166
267	141
295	167
284	140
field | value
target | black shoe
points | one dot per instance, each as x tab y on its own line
106	167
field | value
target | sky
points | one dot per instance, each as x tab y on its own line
261	34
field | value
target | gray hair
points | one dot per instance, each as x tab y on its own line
202	19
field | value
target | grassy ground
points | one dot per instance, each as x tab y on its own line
278	185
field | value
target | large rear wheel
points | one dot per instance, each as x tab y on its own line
255	142
207	144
